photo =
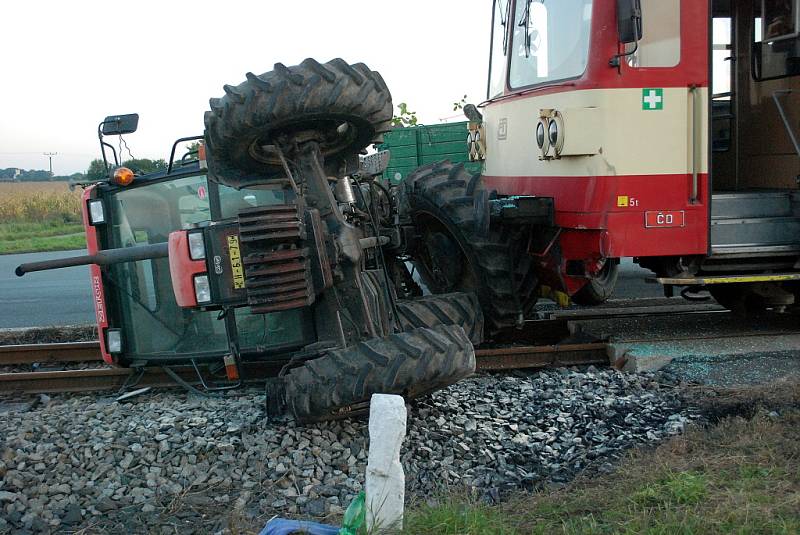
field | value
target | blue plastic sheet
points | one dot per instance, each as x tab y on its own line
282	526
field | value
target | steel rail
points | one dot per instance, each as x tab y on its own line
111	378
63	352
515	358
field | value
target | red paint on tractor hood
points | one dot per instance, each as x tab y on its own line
182	269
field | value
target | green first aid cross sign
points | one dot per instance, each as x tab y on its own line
652	99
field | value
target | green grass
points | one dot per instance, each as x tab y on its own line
37	237
740	476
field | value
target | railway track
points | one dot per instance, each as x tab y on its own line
102	377
537	345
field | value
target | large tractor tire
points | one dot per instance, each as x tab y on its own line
341	383
459	251
460	309
344	107
599	289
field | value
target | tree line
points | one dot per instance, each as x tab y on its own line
96	171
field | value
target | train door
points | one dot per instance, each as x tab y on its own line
755	120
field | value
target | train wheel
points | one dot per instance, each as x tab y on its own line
599	289
751	298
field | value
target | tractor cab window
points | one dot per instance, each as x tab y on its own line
497	69
776	39
145	302
232	201
550	41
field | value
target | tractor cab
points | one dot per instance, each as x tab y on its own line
152	301
143	298
663	130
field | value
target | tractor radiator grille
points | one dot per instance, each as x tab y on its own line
272	224
277	269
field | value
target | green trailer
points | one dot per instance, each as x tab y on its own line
414	146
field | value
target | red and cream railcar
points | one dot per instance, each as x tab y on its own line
664	130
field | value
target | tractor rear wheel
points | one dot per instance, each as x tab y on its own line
341	383
458	250
599	289
460	309
343	107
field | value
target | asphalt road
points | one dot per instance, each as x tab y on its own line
631	282
44	298
63	297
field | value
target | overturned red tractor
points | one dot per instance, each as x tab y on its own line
281	247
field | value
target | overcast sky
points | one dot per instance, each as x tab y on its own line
65	65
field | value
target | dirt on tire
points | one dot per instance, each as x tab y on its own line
345	107
462	309
340	383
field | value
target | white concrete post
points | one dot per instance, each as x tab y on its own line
385	481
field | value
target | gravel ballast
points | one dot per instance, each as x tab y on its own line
170	461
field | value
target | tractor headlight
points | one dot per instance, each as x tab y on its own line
197	246
114	340
97	214
202	289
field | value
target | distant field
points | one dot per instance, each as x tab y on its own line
39	216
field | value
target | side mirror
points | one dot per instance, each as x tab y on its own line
116	125
629	20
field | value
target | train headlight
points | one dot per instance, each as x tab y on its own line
97	214
542	139
555	133
540	134
197	246
552	132
202	289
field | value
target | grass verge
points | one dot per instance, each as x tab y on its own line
740	475
38	237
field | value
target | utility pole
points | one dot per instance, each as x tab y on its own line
50	155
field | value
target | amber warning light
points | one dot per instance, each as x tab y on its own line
122	176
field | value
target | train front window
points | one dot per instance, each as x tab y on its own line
550	41
499	48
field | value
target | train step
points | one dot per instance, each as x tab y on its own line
757	222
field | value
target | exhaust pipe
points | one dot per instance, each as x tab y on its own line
102	258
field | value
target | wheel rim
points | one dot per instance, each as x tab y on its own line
444	260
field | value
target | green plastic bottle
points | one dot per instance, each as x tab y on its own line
355	516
